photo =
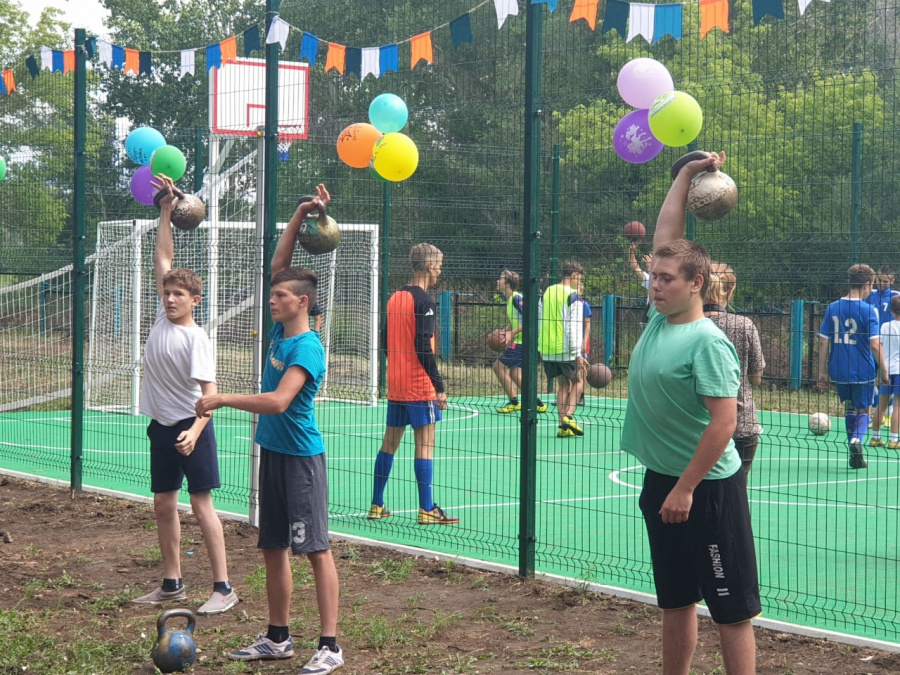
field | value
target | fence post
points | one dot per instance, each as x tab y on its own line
383	294
798	313
445	309
554	219
608	317
855	191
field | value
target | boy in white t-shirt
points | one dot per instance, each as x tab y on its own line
890	346
179	367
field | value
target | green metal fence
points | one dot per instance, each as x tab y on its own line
516	171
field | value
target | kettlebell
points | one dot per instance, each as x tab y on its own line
712	193
174	650
188	211
320	233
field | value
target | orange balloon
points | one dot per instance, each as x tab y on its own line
355	143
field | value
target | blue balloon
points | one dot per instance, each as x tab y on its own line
388	113
141	143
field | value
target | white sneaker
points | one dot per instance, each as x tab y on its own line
218	603
264	649
324	661
158	596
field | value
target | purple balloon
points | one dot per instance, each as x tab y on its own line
641	80
141	188
632	139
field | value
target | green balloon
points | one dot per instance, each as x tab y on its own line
168	160
675	118
2	168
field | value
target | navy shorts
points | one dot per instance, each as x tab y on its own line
293	502
412	413
566	369
892	389
711	556
858	394
169	468
511	357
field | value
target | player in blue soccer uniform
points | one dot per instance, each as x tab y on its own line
881	297
850	352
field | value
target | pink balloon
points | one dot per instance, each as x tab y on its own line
641	80
633	140
141	188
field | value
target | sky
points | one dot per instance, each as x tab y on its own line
87	14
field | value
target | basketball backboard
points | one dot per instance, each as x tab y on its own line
237	98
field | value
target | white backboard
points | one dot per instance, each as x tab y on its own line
237	98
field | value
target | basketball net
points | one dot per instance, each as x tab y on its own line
284	148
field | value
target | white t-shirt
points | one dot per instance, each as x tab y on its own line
890	342
646	282
176	359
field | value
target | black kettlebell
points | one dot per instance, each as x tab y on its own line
174	650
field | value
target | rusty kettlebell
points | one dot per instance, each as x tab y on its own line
320	233
174	650
712	193
188	211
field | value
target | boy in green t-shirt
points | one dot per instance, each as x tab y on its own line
694	499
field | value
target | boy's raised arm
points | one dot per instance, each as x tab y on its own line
670	223
284	252
164	253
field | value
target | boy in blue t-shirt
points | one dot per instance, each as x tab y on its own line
293	492
850	352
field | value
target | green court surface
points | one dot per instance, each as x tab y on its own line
826	535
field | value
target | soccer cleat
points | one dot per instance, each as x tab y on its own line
893	445
886	422
218	603
324	661
876	442
436	517
570	423
263	649
541	406
564	433
159	596
377	512
510	408
857	458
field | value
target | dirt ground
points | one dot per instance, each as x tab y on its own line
73	564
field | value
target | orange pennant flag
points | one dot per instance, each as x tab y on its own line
713	14
132	61
229	50
587	10
68	61
9	81
337	57
422	49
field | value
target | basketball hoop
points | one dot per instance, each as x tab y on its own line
284	150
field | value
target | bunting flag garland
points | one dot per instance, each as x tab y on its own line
146	63
278	32
713	14
461	30
388	58
422	49
106	50
353	61
551	4
337	58
371	62
309	46
213	57
669	20
187	63
504	9
228	49
132	61
763	7
587	10
640	21
31	64
251	40
616	17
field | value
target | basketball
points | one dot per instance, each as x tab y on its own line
598	375
819	424
496	340
635	232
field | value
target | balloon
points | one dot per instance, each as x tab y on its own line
2	168
395	157
632	139
375	174
141	143
388	113
355	143
675	118
642	80
141	188
169	160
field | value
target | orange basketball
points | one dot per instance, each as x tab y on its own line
635	231
598	375
355	144
496	340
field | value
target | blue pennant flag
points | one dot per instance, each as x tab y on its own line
353	61
668	19
551	4
763	7
308	48
388	58
461	30
251	40
59	63
214	56
118	57
616	16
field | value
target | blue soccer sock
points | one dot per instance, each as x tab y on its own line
383	464
424	469
862	425
850	424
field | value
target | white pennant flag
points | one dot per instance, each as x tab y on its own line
806	3
641	18
105	49
187	62
278	32
371	62
46	58
504	9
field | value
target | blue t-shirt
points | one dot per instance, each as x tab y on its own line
848	326
293	432
587	314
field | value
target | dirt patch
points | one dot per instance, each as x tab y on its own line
75	562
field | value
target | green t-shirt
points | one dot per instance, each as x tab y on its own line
514	314
673	367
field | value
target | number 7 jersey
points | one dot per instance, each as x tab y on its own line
849	325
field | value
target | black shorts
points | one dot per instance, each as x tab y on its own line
168	467
566	369
293	502
709	557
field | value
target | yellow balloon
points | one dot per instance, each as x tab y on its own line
395	157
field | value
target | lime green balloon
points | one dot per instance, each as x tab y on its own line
168	160
2	168
675	118
395	157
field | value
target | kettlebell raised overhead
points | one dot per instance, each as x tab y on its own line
188	211
712	193
174	650
320	234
